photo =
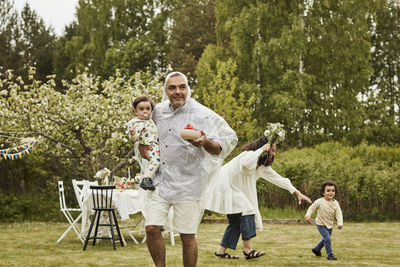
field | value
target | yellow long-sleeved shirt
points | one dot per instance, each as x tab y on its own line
326	212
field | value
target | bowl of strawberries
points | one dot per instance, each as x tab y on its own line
190	133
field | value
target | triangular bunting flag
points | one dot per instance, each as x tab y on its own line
27	149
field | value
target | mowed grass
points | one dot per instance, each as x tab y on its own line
357	244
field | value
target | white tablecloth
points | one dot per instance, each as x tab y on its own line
127	202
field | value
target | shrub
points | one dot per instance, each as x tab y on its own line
368	178
40	206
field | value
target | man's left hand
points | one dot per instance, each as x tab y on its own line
210	146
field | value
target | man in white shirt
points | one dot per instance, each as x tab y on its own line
185	166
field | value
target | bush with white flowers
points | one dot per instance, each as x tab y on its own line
85	124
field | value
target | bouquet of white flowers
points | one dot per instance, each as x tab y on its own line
102	176
275	133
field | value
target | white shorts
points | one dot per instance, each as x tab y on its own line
185	215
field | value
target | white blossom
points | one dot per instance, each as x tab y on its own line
99	118
275	133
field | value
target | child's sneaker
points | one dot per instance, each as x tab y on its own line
316	252
331	257
147	184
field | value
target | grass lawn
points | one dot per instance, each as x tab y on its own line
357	244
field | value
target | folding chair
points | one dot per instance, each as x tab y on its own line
138	227
80	188
66	211
102	201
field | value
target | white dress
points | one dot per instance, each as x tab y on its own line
234	189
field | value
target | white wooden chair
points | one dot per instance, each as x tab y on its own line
67	212
80	188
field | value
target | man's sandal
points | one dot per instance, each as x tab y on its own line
253	254
225	256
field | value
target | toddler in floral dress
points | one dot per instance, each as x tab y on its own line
143	130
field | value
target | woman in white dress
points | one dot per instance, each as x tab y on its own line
234	193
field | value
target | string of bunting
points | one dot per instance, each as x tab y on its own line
20	150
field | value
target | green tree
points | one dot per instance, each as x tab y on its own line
339	59
310	60
25	41
227	96
9	32
265	39
193	28
66	54
36	44
383	98
116	34
207	65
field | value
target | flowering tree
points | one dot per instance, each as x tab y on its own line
85	126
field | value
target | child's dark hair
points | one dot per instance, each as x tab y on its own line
143	99
325	184
263	159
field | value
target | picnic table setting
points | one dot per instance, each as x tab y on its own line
119	195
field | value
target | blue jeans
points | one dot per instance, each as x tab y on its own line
325	241
238	224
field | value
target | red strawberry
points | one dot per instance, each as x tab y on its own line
190	127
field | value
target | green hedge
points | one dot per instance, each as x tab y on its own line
29	191
368	177
40	206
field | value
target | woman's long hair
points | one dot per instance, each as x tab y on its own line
264	158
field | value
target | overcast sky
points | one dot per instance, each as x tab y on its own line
56	13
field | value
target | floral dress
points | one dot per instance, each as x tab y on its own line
146	134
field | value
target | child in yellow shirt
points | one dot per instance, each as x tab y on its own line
327	209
